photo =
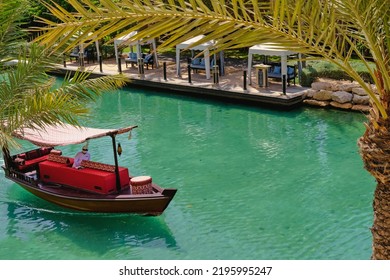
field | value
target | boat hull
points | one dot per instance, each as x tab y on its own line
92	186
152	204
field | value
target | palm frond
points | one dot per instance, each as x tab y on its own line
80	87
31	98
11	34
28	96
333	29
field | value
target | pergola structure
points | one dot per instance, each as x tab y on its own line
137	44
81	50
191	44
270	49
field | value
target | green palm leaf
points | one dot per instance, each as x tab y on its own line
28	96
333	29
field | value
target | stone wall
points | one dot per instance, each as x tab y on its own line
338	94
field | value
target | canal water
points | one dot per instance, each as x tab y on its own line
252	183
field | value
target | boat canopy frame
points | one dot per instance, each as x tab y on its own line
64	134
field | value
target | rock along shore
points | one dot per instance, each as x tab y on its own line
338	94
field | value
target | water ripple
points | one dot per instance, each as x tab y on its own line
252	184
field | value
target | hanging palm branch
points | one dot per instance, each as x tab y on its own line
332	29
335	30
28	96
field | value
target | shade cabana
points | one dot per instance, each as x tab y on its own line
137	44
205	47
269	49
81	49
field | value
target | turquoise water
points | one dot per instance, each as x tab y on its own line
252	184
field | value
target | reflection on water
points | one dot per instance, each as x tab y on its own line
252	184
108	236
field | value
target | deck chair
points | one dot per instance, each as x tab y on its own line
132	58
149	60
200	64
74	54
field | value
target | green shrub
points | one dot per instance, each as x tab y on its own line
108	51
323	69
308	76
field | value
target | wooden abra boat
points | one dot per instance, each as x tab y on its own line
95	187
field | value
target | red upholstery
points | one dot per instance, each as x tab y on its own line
30	163
32	154
29	160
89	179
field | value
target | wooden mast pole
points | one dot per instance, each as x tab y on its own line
118	182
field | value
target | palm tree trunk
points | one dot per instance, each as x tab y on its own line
375	150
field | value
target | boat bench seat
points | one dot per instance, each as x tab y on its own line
28	164
29	160
86	178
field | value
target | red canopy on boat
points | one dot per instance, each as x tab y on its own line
65	134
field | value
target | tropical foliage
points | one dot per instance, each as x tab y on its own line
316	69
332	29
28	96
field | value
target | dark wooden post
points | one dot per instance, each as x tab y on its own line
81	59
141	69
118	181
189	60
165	70
189	73
88	54
119	65
215	74
100	64
244	79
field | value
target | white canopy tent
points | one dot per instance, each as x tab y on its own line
81	50
269	49
138	43
202	47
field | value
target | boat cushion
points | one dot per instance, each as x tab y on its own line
31	155
56	152
28	161
93	180
97	165
59	159
27	164
45	151
276	70
23	156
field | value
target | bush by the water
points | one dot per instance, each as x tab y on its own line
324	69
